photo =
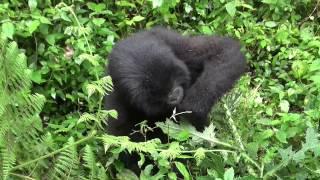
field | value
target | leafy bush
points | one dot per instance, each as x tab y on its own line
269	123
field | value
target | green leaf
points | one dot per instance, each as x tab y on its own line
174	130
98	21
265	134
187	8
125	4
182	169
252	149
286	154
281	136
206	30
306	34
65	17
312	141
231	8
199	155
96	7
32	4
32	26
44	20
316	79
52	38
315	66
113	113
229	174
138	18
37	77
127	174
270	24
8	29
284	106
172	175
270	1
156	3
299	68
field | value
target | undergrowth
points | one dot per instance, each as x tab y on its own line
52	83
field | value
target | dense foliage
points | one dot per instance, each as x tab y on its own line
52	82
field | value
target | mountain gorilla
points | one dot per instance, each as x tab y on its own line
156	70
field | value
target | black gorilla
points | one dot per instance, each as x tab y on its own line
156	70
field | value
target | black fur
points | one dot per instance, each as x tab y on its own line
146	66
149	65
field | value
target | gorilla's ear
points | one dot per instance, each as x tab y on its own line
176	95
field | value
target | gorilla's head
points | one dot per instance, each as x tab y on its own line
149	76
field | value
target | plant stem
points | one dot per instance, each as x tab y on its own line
55	152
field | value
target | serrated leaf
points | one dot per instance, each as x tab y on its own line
174	130
231	8
286	154
312	141
281	136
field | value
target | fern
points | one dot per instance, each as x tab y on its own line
7	161
102	86
19	121
100	117
90	160
66	167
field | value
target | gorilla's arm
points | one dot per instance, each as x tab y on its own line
216	63
221	71
120	126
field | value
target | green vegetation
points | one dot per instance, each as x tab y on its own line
52	60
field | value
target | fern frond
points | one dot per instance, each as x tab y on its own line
77	31
102	86
4	101
7	161
93	59
100	117
90	161
27	105
14	61
4	128
124	142
102	173
172	152
20	123
66	166
28	131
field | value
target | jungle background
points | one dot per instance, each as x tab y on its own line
53	56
